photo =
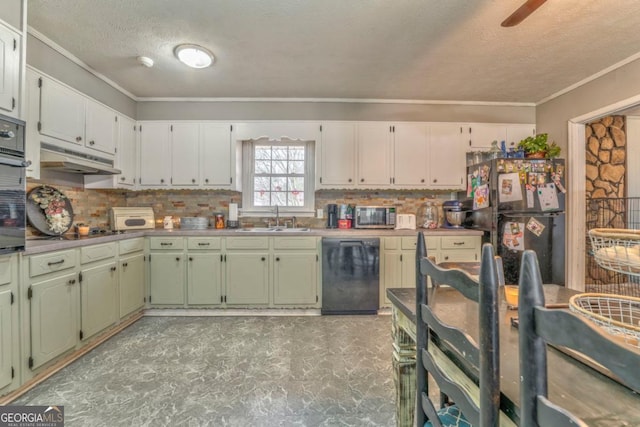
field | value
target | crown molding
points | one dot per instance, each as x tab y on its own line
339	100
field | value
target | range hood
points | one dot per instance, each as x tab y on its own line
65	160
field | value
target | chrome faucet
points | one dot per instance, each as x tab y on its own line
277	216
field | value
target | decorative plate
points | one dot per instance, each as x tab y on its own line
49	211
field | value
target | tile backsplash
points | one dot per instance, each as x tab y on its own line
92	206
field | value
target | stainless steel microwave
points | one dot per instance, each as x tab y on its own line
375	217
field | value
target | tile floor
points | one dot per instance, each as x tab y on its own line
231	371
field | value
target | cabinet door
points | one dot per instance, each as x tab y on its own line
6	339
127	155
295	278
9	70
411	154
167	278
374	154
447	160
131	284
185	157
483	134
155	154
32	136
53	318
247	278
204	279
391	269
98	293
101	127
516	133
338	154
61	112
216	154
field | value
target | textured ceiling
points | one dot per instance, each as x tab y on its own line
382	49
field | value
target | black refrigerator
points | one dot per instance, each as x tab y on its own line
520	204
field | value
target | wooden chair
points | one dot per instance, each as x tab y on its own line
441	347
540	326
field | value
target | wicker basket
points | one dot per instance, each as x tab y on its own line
616	249
618	315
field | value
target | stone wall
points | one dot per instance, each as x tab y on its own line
605	179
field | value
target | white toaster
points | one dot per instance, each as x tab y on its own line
405	222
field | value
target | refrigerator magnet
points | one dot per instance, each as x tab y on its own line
548	197
535	226
481	197
509	187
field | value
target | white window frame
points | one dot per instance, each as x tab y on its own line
248	170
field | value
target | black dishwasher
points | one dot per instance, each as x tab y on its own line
350	275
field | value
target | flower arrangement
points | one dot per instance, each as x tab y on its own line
54	205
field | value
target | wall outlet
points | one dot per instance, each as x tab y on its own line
320	213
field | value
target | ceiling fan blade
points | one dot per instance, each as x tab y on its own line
522	12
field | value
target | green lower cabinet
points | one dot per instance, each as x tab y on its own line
98	298
131	284
6	338
167	278
54	328
204	279
247	275
295	279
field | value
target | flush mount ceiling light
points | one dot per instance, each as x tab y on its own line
193	55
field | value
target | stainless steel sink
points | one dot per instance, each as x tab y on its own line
272	230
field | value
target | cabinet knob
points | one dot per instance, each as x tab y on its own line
277	258
92	142
113	269
361	179
177	258
435	180
161	180
206	180
193	180
190	259
263	259
422	180
124	264
122	178
71	282
78	138
350	180
446	258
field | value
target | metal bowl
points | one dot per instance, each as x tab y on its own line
455	218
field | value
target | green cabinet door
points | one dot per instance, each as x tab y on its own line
391	270
54	329
98	298
295	278
131	284
204	279
167	278
247	276
6	338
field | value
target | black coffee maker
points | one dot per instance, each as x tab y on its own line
332	216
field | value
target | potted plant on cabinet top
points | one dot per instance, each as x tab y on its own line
537	147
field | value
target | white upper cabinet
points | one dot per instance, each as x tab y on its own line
516	133
447	161
338	155
483	134
374	154
411	154
276	130
32	136
62	112
216	155
155	154
185	139
10	43
101	127
127	152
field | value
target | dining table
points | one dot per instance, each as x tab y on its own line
582	387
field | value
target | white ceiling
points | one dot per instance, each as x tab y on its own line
452	50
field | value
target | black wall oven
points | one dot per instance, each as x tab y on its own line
13	194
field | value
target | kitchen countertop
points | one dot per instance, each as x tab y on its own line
40	246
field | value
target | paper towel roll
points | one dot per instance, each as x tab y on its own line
233	211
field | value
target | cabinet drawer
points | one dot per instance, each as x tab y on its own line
204	243
294	242
97	252
460	242
51	262
5	270
467	255
131	245
391	243
166	243
248	242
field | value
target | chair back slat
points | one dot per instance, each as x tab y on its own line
475	387
539	326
